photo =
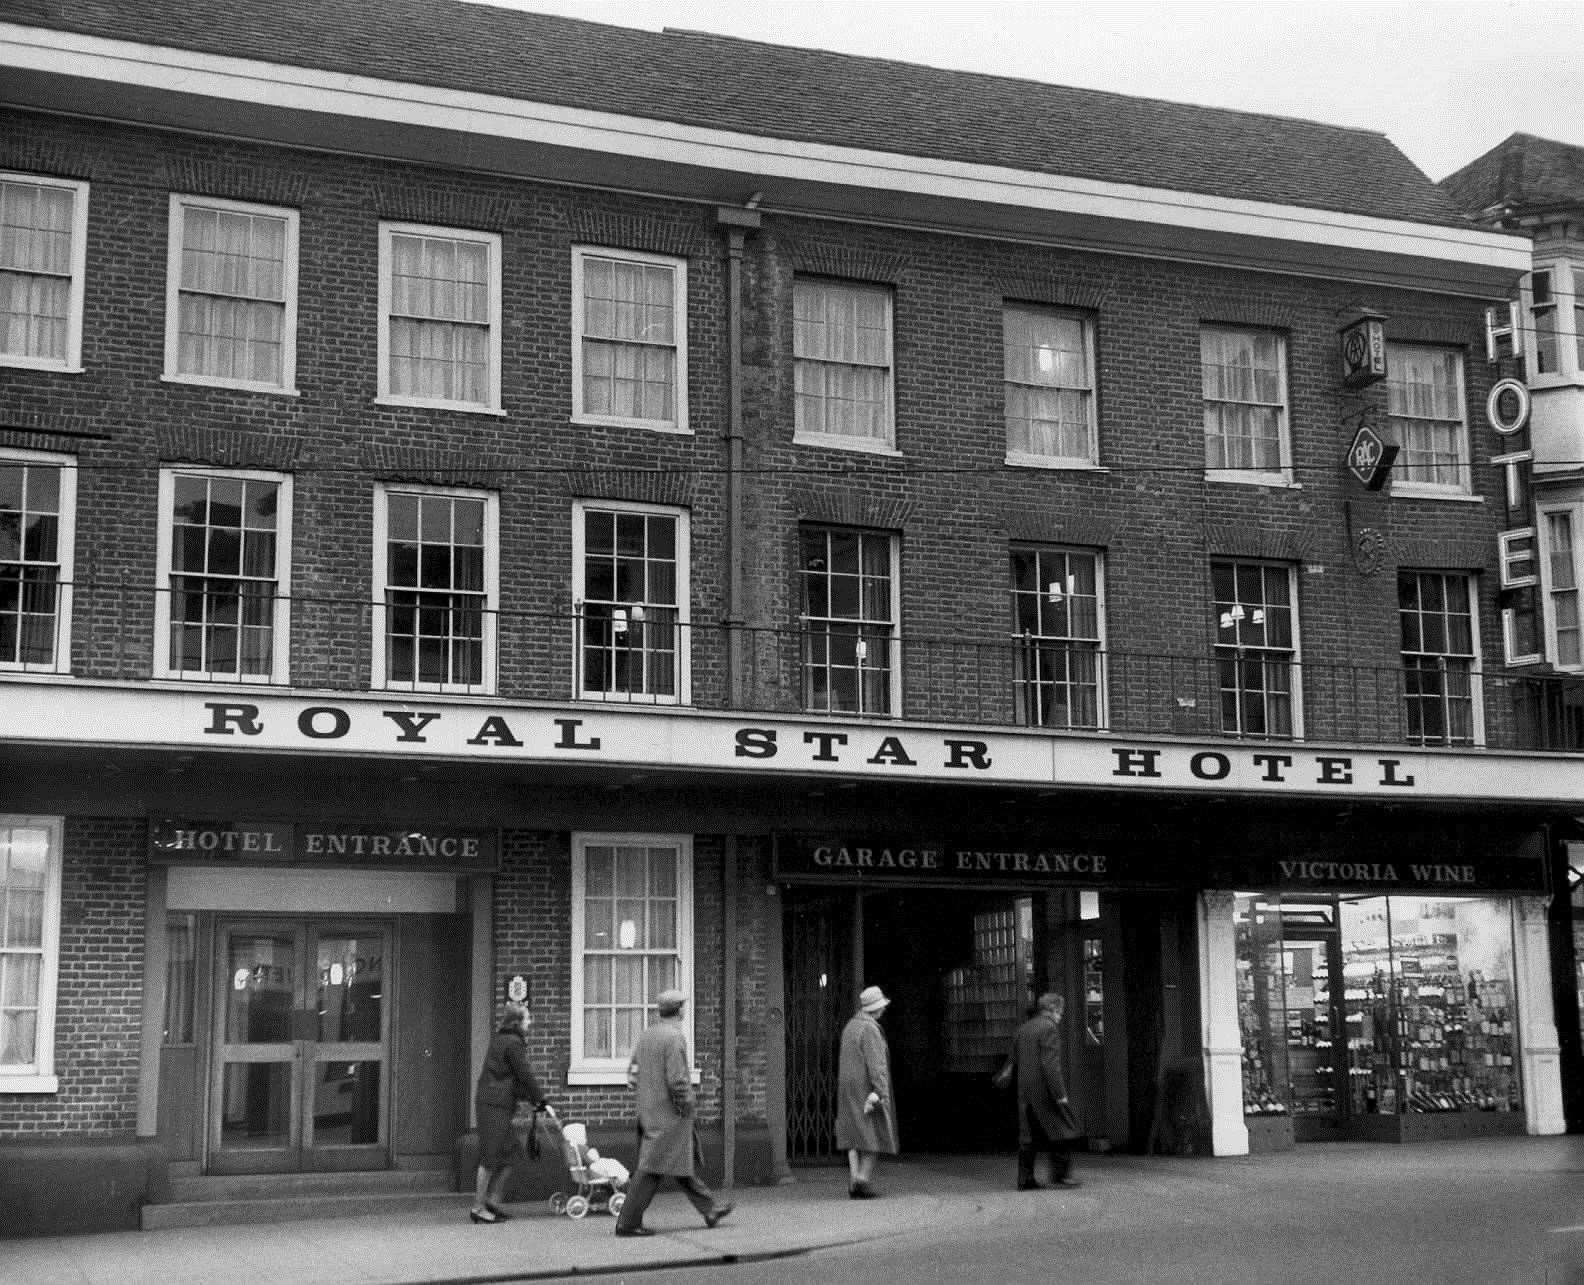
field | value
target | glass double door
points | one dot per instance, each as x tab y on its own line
301	1064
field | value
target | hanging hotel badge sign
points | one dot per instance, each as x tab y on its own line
517	989
1507	407
1370	458
1363	343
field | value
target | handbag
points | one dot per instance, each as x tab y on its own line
1002	1080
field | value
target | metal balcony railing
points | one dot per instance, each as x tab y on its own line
445	642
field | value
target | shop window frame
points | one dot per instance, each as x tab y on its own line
38	1076
588	1071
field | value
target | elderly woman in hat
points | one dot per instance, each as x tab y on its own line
865	1114
504	1079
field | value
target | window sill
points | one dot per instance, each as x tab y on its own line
595	1078
638	699
230	385
862	445
29	1084
1250	477
648	425
418	403
49	367
1426	493
1016	460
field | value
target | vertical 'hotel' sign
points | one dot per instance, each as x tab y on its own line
1363	346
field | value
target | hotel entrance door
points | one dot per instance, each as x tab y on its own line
302	1047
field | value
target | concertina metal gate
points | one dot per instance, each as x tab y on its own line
819	979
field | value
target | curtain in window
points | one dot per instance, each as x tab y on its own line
1048	385
1424	396
1563	589
35	268
440	313
631	942
1242	384
842	345
24	868
232	305
629	349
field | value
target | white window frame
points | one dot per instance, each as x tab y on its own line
1404	480
1229	643
1476	659
892	640
1053	594
1091	456
179	208
1541	292
1548	589
279	674
65	548
678	423
39	1075
71	361
380	678
845	441
613	1070
492	403
1283	474
684	634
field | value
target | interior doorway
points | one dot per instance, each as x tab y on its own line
301	1057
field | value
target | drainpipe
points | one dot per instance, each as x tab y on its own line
737	223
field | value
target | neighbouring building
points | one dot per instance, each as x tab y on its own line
1535	187
499	505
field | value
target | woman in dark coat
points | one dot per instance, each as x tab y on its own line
865	1114
505	1079
1045	1121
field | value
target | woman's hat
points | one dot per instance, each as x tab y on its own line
872	1000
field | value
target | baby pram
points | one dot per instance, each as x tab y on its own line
599	1182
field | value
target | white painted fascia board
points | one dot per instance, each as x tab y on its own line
425	107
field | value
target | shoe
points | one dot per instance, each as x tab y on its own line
483	1216
712	1219
1031	1185
500	1214
861	1191
1066	1182
634	1231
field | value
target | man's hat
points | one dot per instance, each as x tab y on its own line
872	1000
669	1002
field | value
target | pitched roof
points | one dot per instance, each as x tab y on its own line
802	95
1520	174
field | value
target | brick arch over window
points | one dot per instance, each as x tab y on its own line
1049	292
238	182
1466	556
816	258
1046	528
841	509
641	486
227	448
445	207
1250	542
637	232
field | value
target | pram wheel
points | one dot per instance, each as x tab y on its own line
577	1207
617	1201
558	1202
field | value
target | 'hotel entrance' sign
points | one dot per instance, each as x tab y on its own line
377	847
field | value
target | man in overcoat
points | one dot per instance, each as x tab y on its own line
662	1074
1045	1120
865	1113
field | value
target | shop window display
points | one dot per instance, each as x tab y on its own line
1352	1007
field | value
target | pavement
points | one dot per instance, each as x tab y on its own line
926	1197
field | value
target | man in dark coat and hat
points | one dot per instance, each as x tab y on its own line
662	1074
1045	1121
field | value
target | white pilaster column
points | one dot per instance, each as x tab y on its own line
1538	1049
1222	1039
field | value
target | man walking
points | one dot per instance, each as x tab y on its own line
1045	1121
662	1074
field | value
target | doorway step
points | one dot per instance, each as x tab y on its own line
273	1198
